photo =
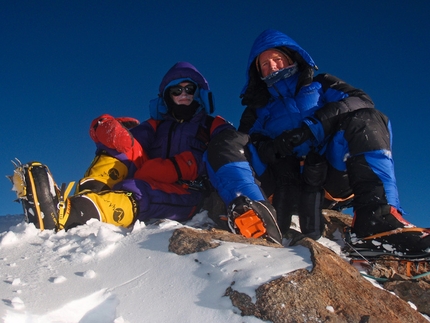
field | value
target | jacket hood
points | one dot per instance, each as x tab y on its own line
180	72
272	38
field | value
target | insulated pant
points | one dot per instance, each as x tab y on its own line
229	169
153	199
354	162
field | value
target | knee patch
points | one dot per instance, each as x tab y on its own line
105	171
118	208
315	171
114	207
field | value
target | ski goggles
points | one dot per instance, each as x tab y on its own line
178	89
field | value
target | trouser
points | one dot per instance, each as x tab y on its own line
355	161
366	160
228	165
287	190
299	190
107	189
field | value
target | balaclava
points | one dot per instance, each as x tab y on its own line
180	112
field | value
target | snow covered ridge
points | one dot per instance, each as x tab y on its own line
102	273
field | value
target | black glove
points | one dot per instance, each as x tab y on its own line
267	151
287	140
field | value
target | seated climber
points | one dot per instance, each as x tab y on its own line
155	169
325	146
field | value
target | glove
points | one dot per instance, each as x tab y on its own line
286	141
267	151
112	133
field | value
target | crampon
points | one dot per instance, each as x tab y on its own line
383	262
42	200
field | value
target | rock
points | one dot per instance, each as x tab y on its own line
187	240
333	291
335	221
416	292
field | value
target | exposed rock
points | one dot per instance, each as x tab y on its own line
335	221
187	240
400	274
334	291
416	292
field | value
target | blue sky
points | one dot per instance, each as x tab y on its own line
63	63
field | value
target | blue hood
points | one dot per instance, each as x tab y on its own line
272	38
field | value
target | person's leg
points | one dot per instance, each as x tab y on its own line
228	162
157	200
287	190
312	196
371	173
229	169
115	207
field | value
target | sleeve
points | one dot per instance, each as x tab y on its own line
181	166
247	120
145	133
340	98
218	125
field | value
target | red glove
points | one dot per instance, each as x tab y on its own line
181	166
111	133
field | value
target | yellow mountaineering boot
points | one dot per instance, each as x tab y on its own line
115	207
40	196
104	172
48	207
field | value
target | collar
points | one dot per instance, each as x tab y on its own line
281	74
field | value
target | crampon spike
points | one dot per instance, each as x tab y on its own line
17	163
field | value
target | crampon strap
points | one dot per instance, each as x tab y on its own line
64	193
250	224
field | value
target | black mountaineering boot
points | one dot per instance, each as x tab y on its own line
253	219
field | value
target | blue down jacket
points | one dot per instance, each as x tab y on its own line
342	119
319	102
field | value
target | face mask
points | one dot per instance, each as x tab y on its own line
184	112
280	75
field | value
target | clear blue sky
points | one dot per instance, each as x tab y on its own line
63	63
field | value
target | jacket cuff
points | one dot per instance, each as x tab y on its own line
316	128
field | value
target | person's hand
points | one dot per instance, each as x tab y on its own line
287	140
267	151
111	133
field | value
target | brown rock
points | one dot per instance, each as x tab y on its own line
416	292
188	240
335	221
334	291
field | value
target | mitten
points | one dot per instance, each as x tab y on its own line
111	133
267	151
288	140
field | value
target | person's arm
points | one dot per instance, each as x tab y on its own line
247	120
340	98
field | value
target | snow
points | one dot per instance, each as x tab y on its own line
101	273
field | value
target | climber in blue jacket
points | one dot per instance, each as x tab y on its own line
317	142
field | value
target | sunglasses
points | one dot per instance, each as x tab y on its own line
177	89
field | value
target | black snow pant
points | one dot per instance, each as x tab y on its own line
304	189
